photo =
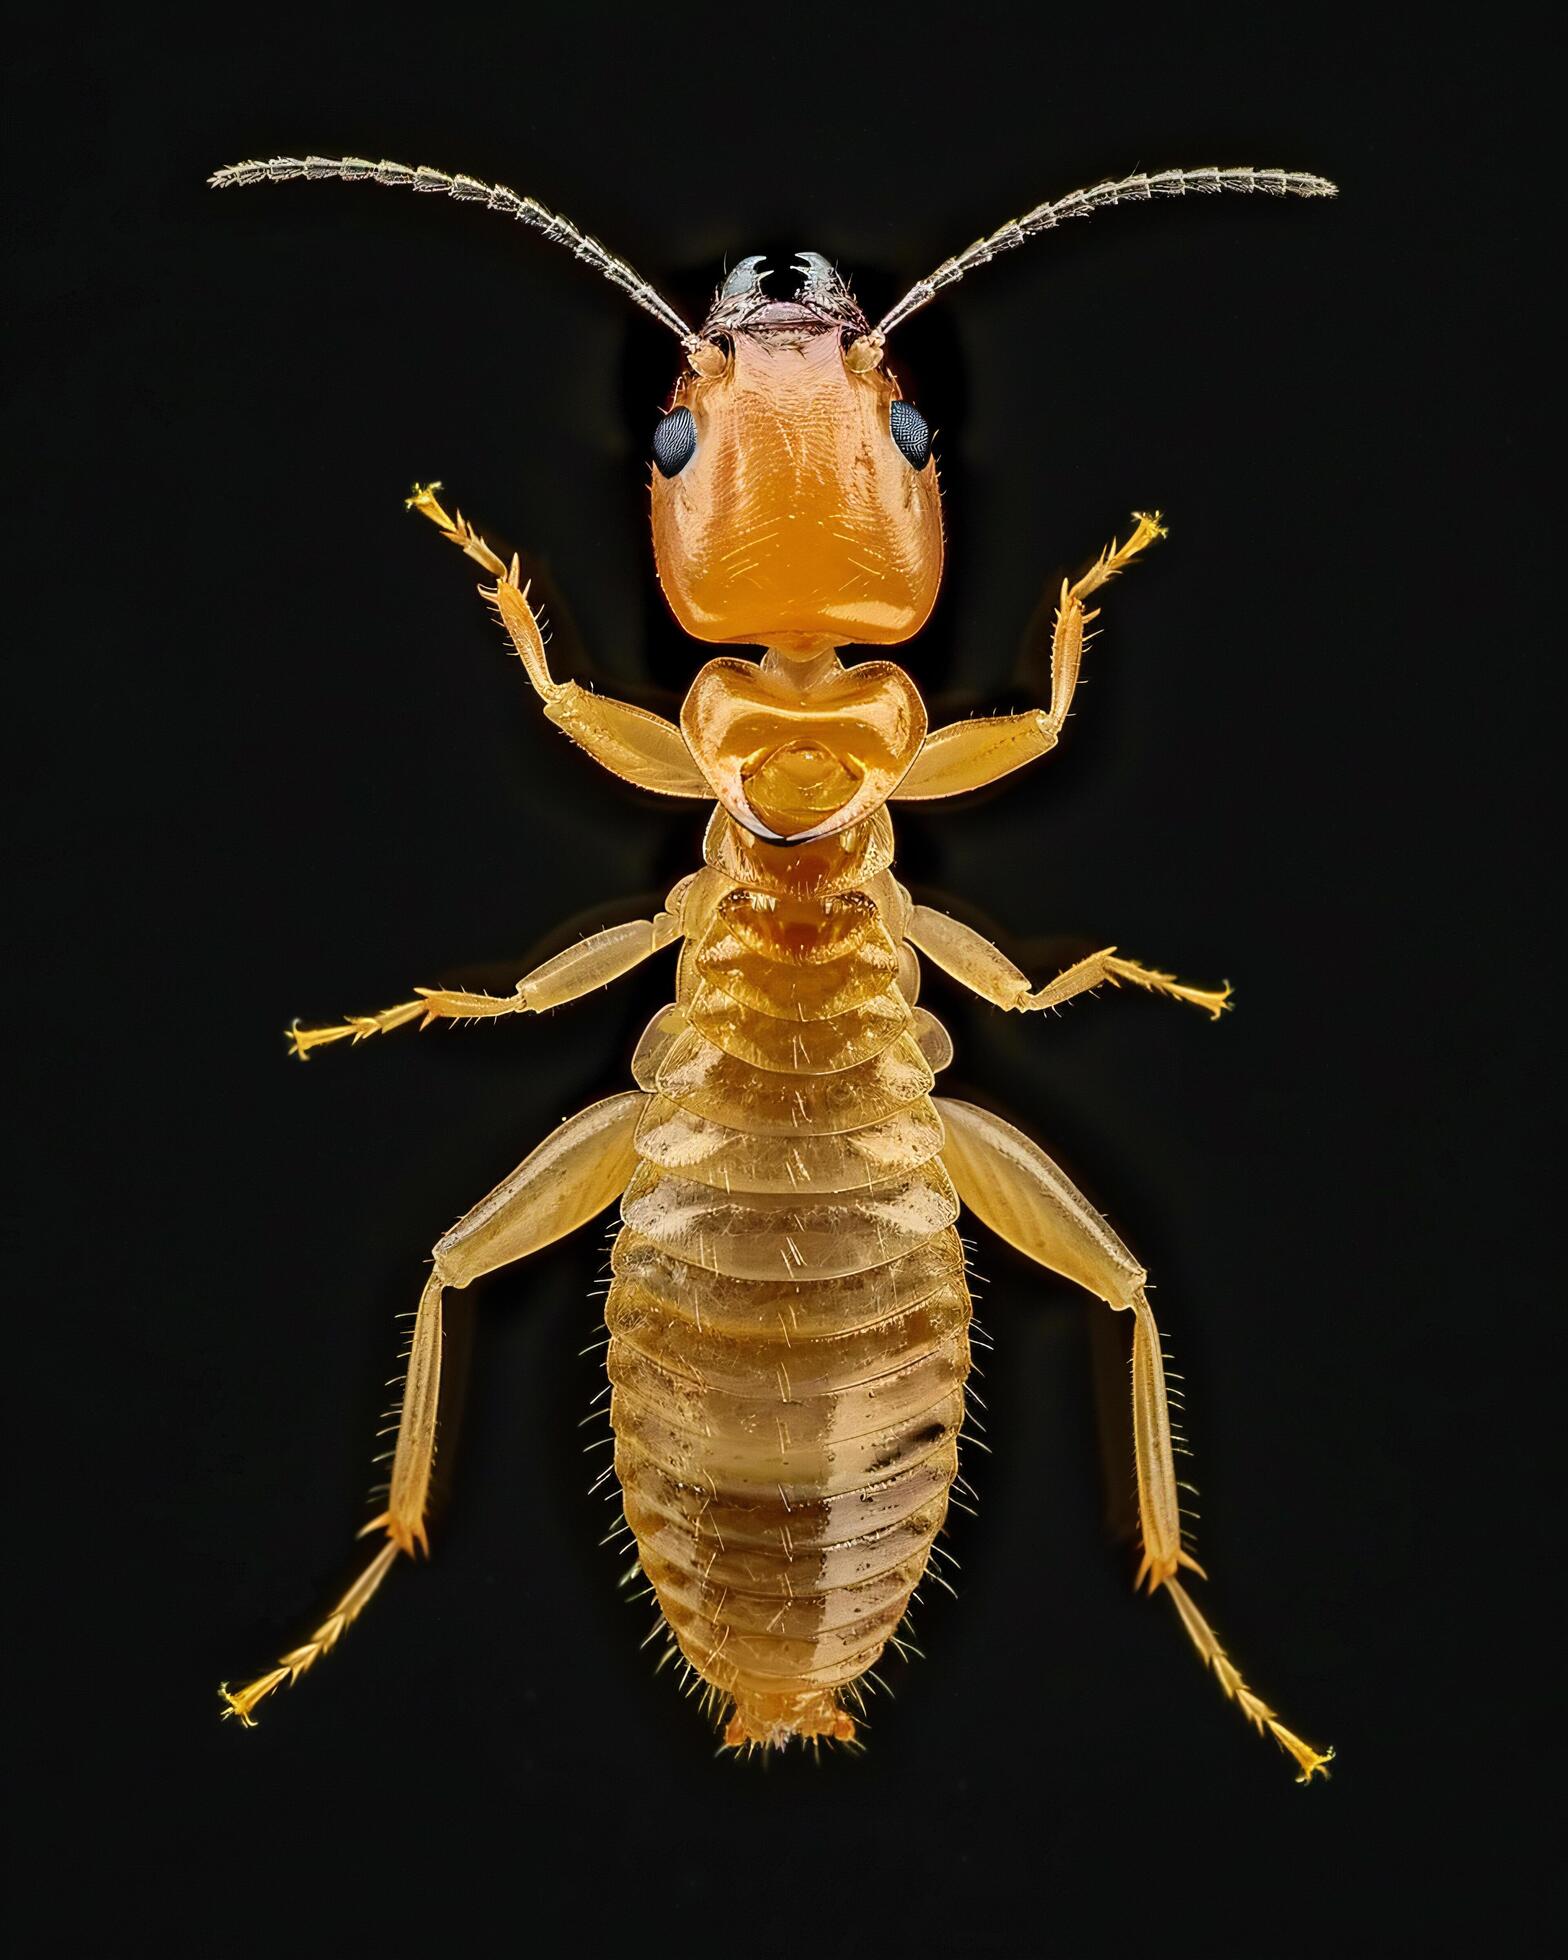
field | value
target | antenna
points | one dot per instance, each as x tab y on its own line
496	197
1137	189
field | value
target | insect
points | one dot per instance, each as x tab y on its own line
789	1313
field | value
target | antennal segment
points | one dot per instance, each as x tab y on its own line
496	197
1137	189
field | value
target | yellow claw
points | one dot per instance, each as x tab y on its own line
302	1040
1216	1000
243	1701
457	530
1116	557
1314	1762
424	500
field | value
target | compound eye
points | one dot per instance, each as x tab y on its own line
911	432
675	441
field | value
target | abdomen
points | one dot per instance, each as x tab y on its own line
788	1316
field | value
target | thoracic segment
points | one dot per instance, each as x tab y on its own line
789	1317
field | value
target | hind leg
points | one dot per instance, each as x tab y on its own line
1013	1187
570	1178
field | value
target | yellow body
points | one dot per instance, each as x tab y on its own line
789	1315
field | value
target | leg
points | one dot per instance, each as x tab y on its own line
1013	1187
1105	966
457	529
638	747
966	755
592	962
975	963
571	1177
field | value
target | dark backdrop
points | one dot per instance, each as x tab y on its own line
275	763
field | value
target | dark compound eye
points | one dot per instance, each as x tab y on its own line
911	432
675	441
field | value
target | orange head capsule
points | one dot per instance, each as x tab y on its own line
795	502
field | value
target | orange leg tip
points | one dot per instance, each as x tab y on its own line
425	501
1314	1762
242	1702
302	1040
232	1705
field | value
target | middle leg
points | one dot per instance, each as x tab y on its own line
969	958
592	963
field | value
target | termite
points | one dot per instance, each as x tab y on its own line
789	1310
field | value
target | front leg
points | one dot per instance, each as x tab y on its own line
966	755
642	749
975	963
592	962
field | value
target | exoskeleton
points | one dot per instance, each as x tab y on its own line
789	1314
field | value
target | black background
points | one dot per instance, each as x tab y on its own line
275	762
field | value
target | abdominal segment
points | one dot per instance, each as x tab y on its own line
789	1317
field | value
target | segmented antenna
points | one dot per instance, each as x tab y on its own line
1079	204
496	197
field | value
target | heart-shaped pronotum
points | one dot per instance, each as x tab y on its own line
794	764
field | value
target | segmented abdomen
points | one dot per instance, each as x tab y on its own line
788	1316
